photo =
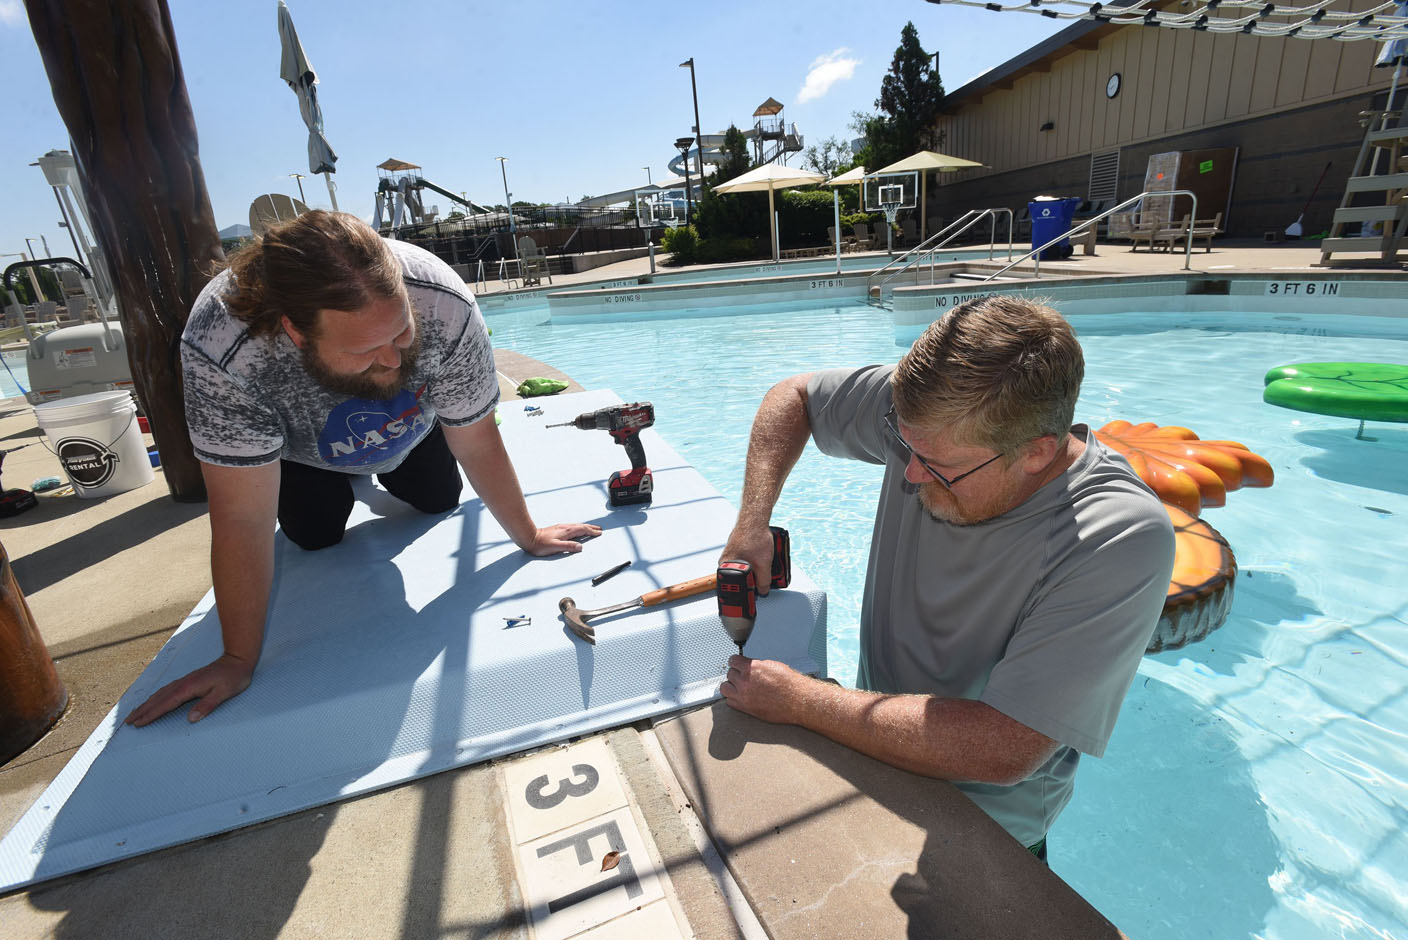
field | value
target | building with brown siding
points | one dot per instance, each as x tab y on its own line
1043	120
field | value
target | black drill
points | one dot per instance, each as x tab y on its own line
624	423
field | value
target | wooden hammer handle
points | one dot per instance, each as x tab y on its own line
676	591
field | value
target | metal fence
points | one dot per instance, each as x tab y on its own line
556	230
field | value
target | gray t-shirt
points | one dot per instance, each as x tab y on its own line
249	401
1042	613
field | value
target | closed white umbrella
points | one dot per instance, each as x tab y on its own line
769	178
923	162
295	69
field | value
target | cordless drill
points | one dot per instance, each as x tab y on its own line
737	588
624	423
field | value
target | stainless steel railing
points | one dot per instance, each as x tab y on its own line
934	243
1035	253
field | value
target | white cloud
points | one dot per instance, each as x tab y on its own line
12	13
826	71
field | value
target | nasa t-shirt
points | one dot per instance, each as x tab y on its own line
249	400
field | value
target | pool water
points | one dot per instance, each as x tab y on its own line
13	374
1257	782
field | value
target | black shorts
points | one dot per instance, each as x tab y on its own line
314	503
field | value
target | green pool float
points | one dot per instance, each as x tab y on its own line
1369	391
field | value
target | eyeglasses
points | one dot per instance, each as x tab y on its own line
946	481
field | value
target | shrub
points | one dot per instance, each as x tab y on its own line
682	243
804	216
719	250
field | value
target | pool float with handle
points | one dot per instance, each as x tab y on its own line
1369	391
1200	591
1181	468
1189	473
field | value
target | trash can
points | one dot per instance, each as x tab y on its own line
1051	216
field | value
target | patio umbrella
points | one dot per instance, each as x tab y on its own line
295	69
770	177
922	162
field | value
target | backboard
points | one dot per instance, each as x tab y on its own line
892	191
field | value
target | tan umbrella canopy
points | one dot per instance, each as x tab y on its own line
852	177
769	178
922	162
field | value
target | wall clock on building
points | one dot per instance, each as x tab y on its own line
1112	87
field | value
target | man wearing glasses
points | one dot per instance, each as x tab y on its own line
1017	568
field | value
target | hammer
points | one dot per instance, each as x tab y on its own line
577	618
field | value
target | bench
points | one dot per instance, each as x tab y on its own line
1190	229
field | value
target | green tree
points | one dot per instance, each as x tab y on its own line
736	160
831	156
910	96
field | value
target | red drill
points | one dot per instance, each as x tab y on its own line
737	587
624	423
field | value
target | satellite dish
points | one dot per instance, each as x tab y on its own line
272	208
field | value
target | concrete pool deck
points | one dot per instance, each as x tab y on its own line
816	840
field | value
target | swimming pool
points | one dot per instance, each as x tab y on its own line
820	266
1257	782
14	374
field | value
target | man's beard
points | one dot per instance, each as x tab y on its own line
376	384
940	504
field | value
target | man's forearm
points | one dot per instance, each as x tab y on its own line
780	434
946	738
480	452
242	572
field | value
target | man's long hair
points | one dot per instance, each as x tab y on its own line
998	372
318	261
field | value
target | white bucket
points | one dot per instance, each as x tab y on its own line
98	442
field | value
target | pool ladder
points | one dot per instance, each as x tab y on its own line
875	283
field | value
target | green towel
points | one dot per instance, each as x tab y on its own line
531	388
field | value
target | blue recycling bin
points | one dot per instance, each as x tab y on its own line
1051	217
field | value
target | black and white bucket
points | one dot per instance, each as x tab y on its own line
98	442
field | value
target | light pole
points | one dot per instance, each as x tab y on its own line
683	145
508	204
698	131
648	181
301	198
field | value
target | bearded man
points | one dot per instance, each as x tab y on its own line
325	352
1017	568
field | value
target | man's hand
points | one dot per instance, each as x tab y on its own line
763	688
563	537
752	544
223	679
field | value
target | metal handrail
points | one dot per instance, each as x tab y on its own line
938	240
915	251
504	279
480	281
1035	253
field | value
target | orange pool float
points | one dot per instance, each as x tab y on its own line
1184	470
1189	473
1200	591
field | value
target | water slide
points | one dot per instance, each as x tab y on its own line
394	197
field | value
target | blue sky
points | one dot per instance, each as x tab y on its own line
578	96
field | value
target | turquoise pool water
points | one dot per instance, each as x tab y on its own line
12	374
1257	782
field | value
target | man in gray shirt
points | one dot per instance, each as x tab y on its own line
1017	568
322	353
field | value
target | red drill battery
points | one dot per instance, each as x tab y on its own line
737	588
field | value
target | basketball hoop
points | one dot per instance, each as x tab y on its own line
889	193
